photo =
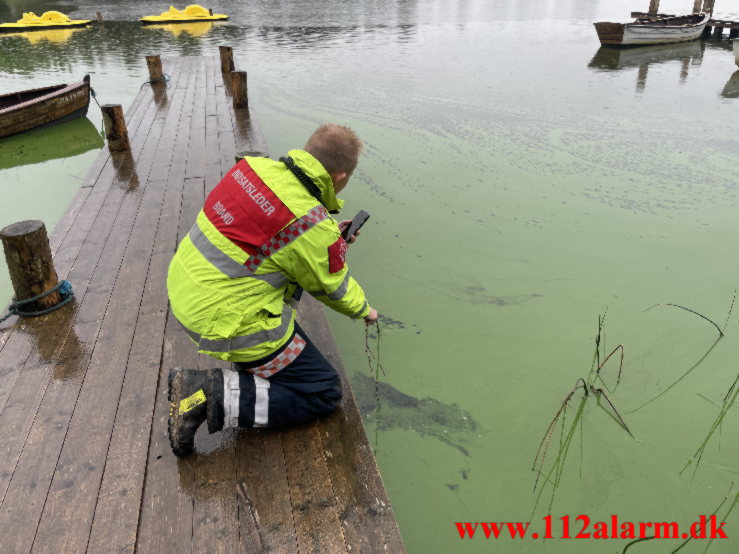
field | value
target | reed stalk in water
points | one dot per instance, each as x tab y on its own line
600	359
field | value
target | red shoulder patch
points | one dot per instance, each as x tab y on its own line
337	256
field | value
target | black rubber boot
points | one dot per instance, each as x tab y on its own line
214	391
187	408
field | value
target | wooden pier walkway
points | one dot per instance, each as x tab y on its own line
85	463
714	27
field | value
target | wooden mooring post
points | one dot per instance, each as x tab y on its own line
154	63
115	127
227	59
239	89
31	268
100	17
653	7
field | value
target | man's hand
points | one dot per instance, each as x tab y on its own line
371	317
343	225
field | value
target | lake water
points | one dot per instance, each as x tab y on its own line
522	183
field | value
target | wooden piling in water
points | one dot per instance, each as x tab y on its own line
653	7
733	33
31	268
708	6
239	89
115	127
100	17
154	63
227	59
718	31
697	6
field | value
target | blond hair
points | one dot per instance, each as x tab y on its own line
336	147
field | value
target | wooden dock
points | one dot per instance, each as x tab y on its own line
85	463
714	27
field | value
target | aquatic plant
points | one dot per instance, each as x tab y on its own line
589	390
728	402
701	359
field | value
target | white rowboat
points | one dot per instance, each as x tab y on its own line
652	30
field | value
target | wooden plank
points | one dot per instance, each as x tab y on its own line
67	516
366	515
265	510
315	512
212	162
117	512
215	512
165	522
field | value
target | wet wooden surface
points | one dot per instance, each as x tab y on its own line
85	463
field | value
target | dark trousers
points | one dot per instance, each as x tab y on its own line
309	387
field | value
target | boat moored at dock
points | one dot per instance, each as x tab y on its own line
652	30
41	107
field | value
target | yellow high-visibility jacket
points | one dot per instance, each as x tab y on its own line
259	235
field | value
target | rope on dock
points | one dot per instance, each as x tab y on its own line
166	78
65	291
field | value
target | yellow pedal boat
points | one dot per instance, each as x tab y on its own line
188	15
49	20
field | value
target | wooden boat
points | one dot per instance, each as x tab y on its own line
652	30
48	20
41	107
190	14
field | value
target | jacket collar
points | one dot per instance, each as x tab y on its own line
313	168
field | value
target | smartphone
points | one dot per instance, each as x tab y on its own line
356	224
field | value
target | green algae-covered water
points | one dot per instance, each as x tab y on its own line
523	183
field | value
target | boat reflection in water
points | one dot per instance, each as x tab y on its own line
60	141
614	59
52	35
195	29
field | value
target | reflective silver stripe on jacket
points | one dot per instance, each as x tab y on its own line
214	255
233	269
243	342
338	294
359	312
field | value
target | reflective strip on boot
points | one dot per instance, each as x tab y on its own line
231	393
261	405
191	402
